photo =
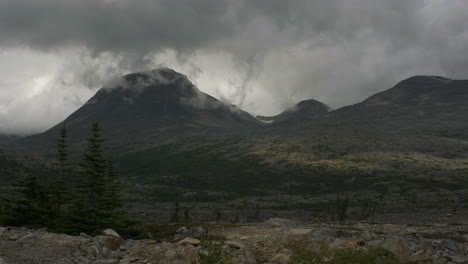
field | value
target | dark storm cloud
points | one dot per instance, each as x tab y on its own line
336	51
119	26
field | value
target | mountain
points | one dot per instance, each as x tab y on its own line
177	143
417	105
146	109
303	111
417	91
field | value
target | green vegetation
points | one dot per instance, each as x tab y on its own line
91	203
228	167
31	206
212	252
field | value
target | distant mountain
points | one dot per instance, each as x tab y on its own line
177	143
303	111
419	103
148	108
417	91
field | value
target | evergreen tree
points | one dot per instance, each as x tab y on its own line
97	202
57	185
30	205
62	152
113	195
87	210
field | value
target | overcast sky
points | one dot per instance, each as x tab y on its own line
263	55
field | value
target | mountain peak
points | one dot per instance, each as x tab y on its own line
420	90
155	76
137	81
153	107
304	110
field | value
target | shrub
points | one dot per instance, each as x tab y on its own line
212	252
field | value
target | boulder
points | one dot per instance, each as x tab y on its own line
399	248
280	258
110	232
336	243
170	254
2	231
93	251
189	241
14	236
148	241
375	243
234	244
110	242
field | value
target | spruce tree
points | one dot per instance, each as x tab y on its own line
58	186
31	204
113	195
62	152
87	212
97	202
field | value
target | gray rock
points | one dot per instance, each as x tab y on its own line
14	236
234	244
28	238
336	243
182	230
398	247
189	241
2	231
105	252
374	243
93	251
170	254
110	232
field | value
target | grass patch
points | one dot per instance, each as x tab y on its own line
324	255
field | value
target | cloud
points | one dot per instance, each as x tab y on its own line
263	55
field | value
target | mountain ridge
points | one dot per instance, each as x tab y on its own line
149	108
302	111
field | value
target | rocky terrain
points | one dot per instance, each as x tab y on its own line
273	241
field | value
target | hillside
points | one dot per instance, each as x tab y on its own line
172	142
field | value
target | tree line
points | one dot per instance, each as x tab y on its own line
84	197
